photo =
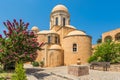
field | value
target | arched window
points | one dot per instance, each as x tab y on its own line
56	40
107	38
49	39
117	37
63	21
74	47
56	21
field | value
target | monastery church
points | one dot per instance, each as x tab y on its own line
63	43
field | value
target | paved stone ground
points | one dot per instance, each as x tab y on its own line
60	73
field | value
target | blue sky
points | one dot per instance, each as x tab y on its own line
93	16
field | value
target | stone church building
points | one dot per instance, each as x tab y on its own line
63	43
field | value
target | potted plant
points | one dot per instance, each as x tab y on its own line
78	61
35	64
41	63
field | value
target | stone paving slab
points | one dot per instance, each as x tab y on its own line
60	73
31	77
93	75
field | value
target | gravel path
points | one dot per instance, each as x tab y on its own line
60	73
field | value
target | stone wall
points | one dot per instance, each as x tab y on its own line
111	33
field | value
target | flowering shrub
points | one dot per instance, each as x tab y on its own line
19	44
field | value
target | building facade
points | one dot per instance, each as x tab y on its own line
63	43
113	35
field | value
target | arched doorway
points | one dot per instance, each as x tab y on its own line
54	59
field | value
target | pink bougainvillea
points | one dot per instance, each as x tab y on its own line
19	43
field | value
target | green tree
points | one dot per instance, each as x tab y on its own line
107	51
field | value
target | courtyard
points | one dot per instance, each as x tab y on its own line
60	73
61	33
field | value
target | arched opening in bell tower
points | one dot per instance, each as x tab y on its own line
64	21
56	21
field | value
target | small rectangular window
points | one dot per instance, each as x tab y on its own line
56	40
74	47
49	39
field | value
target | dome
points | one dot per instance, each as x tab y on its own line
55	46
35	28
76	32
47	32
70	26
43	32
59	8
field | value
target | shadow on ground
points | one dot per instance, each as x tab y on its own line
32	70
37	73
41	75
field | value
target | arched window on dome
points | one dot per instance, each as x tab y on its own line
49	39
64	21
74	47
56	21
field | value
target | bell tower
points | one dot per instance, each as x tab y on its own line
59	16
